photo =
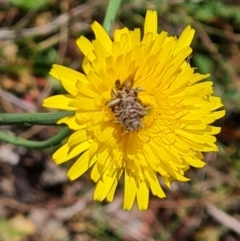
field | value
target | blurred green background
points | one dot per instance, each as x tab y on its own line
37	202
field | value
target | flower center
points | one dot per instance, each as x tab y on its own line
126	106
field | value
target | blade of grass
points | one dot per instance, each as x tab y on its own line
111	14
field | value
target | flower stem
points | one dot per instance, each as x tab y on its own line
33	118
111	14
53	141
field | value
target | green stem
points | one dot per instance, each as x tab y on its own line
111	14
33	118
53	141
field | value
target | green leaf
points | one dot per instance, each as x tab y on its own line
203	63
29	4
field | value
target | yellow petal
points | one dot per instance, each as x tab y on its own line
104	160
85	89
130	190
84	104
71	122
130	144
78	137
86	47
154	183
135	36
66	152
217	114
106	134
110	195
60	102
142	195
151	22
105	184
80	166
101	35
118	35
68	77
195	162
185	39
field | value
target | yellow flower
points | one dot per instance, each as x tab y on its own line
140	111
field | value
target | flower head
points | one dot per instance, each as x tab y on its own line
140	111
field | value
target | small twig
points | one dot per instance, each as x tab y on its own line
207	42
230	179
68	212
223	218
63	43
9	202
32	131
9	17
50	27
234	37
26	18
16	101
44	93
